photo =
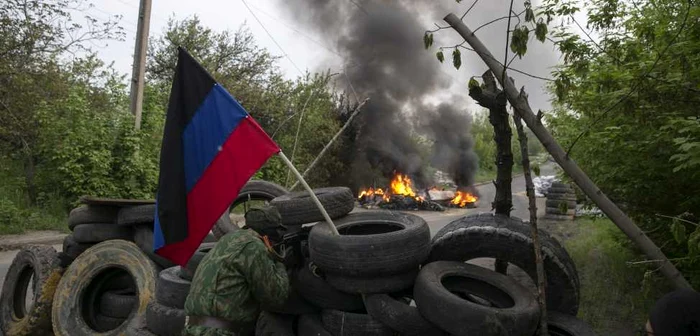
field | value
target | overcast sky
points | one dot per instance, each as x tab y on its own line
307	49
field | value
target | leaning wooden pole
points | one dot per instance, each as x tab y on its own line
534	122
530	190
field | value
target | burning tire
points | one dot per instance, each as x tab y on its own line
37	263
352	324
254	190
507	238
371	243
559	324
298	208
78	292
318	292
400	316
465	299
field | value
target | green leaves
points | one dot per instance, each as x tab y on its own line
678	231
518	42
541	31
694	244
440	56
473	84
456	58
428	40
529	15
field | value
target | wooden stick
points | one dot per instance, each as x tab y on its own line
567	164
311	192
530	189
328	145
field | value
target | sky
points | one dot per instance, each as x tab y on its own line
302	48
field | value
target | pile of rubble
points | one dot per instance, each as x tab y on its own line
383	275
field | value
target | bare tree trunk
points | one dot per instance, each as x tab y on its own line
582	180
530	189
492	98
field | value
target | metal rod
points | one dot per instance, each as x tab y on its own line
328	145
311	192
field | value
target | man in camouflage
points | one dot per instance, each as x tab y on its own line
238	276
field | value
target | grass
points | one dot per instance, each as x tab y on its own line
615	297
483	175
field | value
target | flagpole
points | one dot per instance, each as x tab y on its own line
311	193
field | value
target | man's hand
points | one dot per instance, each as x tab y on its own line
271	250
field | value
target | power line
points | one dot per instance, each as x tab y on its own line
272	37
636	86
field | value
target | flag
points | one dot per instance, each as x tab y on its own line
211	147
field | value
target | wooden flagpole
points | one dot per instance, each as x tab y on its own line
311	193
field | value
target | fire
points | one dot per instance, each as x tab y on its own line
402	185
462	198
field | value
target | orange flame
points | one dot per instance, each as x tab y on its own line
402	185
462	198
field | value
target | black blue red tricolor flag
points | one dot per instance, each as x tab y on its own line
211	147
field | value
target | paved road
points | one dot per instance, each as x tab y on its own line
436	220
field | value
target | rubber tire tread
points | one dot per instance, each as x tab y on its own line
171	289
187	272
118	254
117	303
273	324
137	214
257	190
373	285
99	232
165	321
554	203
400	316
43	260
371	254
566	325
450	312
557	211
86	214
487	235
311	325
107	323
72	248
320	293
298	208
143	237
340	323
561	197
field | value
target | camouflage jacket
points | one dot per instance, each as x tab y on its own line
233	280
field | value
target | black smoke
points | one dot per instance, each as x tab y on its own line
381	42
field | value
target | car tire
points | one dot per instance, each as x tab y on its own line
272	324
187	272
165	321
135	215
559	324
465	299
372	285
311	325
371	243
97	233
143	237
81	283
107	323
118	303
340	323
552	203
73	249
86	214
400	316
508	238
314	289
298	208
253	190
171	290
40	264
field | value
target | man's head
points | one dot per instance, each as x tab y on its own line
266	221
676	314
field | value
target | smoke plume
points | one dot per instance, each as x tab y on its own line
381	42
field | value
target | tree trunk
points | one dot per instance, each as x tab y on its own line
494	99
530	189
568	165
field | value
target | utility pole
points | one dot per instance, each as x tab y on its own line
139	67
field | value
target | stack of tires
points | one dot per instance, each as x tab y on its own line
91	224
561	202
